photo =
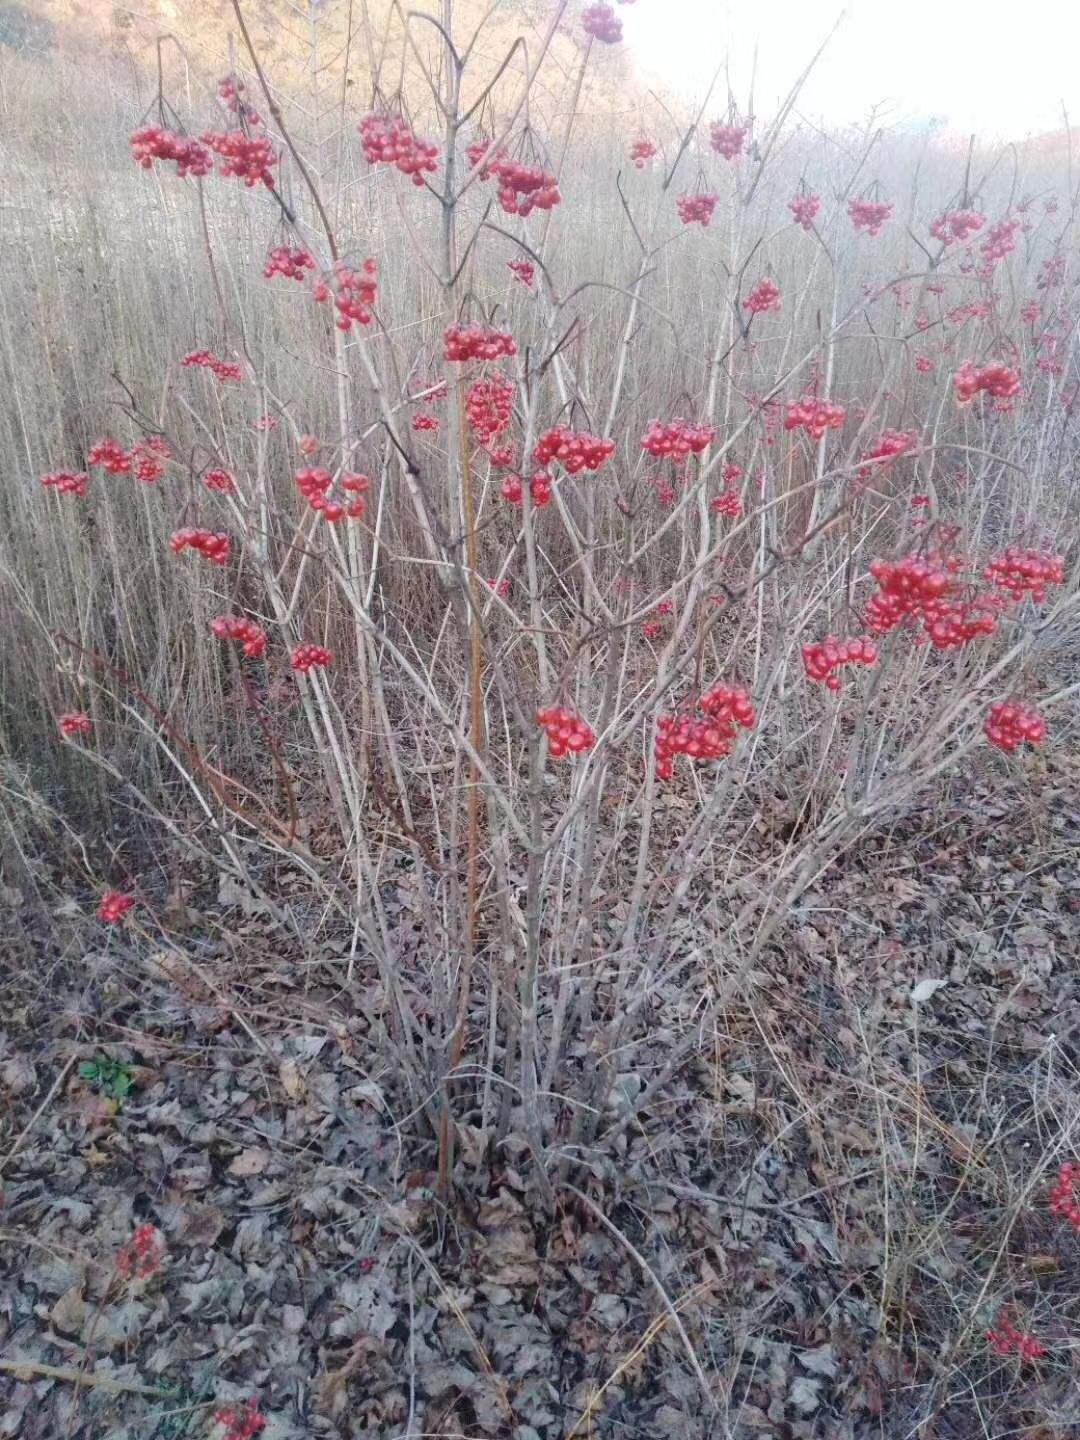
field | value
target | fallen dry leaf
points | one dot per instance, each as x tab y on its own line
250	1162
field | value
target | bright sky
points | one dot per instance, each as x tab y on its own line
1001	68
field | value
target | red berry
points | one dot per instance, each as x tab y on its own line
222	369
214	546
728	140
114	906
763	297
697	208
153	142
601	22
677	438
74	723
109	455
869	215
1010	722
389	140
304	657
642	151
804	208
477	342
237	627
67	482
565	730
250	158
289	262
574	450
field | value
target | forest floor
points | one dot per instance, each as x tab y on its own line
806	1236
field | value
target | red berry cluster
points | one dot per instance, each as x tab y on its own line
222	369
243	1423
75	722
697	208
642	151
667	490
142	1254
998	381
804	209
525	188
1048	362
303	657
389	140
1025	572
250	158
922	590
729	504
353	291
869	215
422	389
906	587
1051	272
114	906
708	737
565	730
289	262
923	364
153	142
1010	722
522	270
265	422
488	404
574	450
601	22
539	489
825	659
424	421
888	445
502	457
1065	1196
972	310
1000	241
252	637
214	546
314	484
659	621
763	297
232	91
728	140
954	623
677	438
219	480
477	153
477	342
522	188
1008	1340
771	413
148	457
814	416
1029	312
500	587
956	225
68	482
109	455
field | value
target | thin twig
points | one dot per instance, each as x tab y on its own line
650	1275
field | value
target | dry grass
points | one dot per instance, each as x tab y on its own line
732	950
